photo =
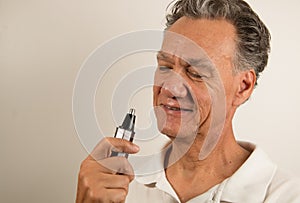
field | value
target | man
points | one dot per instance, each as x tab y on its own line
234	42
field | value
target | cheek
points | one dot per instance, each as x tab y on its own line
229	88
160	117
200	94
228	80
156	90
156	87
203	103
204	106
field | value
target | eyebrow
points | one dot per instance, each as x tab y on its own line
196	62
164	56
200	62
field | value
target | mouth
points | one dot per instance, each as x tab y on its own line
175	109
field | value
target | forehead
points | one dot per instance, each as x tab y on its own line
216	37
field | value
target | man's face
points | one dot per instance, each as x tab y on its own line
188	82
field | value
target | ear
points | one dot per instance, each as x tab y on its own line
245	88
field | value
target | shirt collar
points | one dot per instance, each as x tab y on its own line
158	180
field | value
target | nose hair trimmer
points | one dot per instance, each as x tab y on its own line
125	131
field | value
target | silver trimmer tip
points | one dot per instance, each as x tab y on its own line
132	111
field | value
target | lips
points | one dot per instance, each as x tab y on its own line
172	108
175	108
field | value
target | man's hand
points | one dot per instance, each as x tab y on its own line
103	178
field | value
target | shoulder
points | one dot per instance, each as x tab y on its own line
283	188
260	180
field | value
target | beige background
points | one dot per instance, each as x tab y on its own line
42	46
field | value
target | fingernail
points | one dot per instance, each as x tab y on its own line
135	147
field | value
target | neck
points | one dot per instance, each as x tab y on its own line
227	151
220	164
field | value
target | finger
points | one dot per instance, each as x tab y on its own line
109	195
108	181
104	148
116	181
111	165
114	165
116	195
121	145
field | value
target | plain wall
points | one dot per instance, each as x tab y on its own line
42	46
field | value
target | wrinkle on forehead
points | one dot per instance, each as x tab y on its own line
216	37
182	47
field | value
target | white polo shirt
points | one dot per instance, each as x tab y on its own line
257	180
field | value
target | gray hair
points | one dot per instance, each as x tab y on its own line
253	37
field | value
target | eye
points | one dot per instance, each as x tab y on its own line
192	73
164	68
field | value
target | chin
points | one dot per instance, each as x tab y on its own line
171	133
168	126
175	126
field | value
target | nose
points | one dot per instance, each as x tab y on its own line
174	87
